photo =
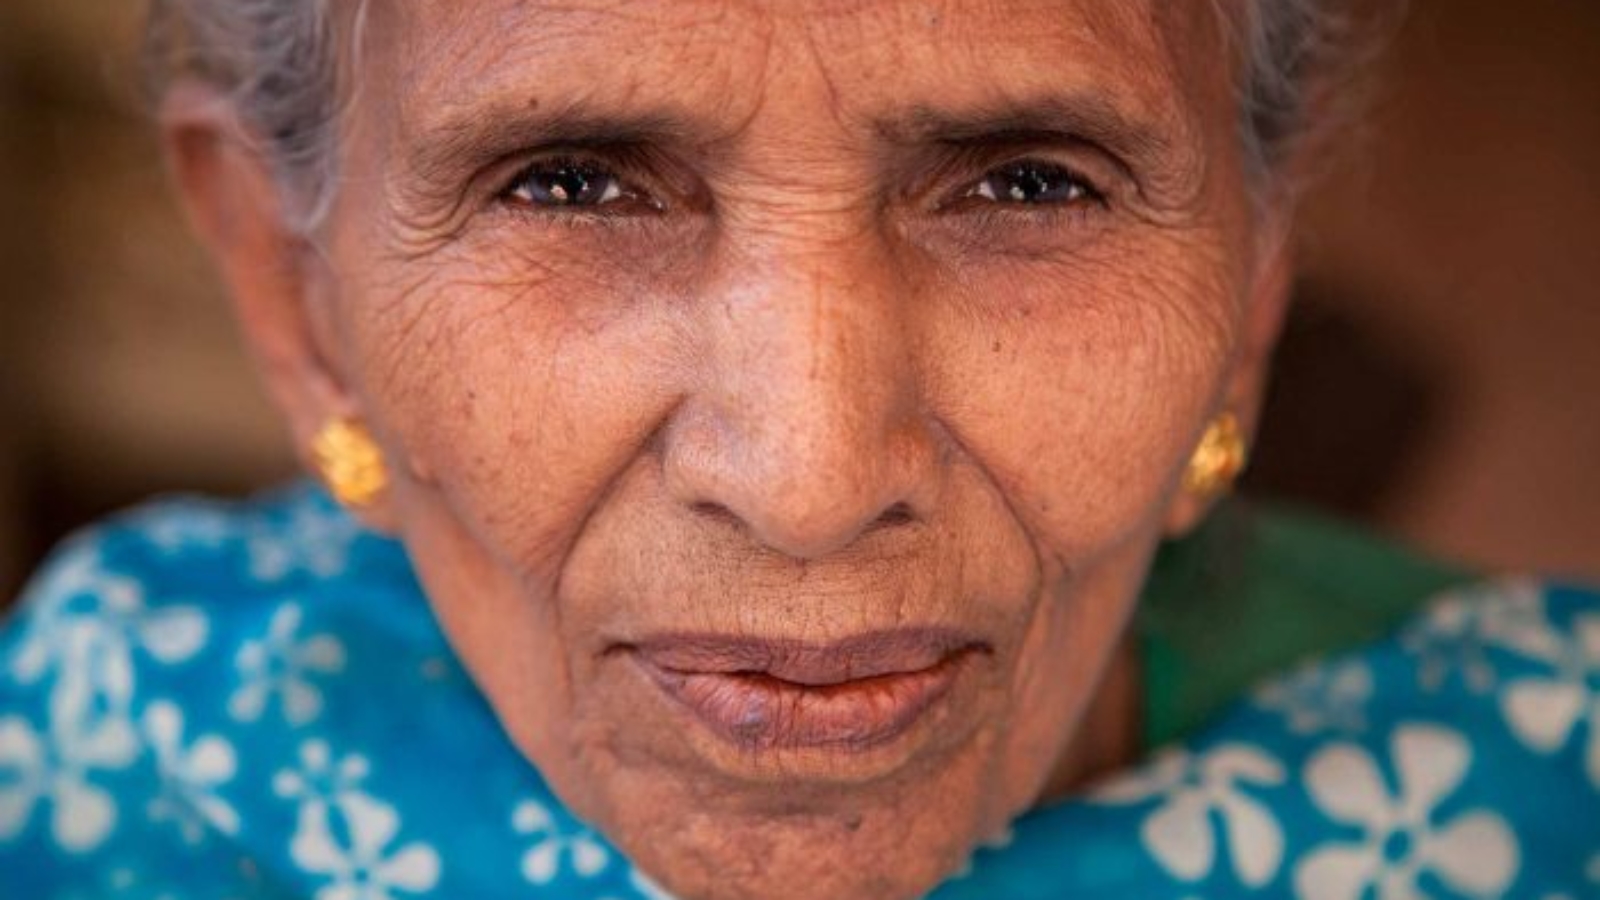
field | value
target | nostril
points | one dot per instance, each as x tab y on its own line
895	516
715	511
898	514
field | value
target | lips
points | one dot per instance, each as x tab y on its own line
850	695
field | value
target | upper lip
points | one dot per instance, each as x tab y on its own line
867	655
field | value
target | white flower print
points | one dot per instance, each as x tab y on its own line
1193	790
279	665
1321	697
553	842
179	525
314	540
79	593
358	860
56	770
190	775
56	600
86	630
321	778
1475	853
1458	630
1544	711
94	687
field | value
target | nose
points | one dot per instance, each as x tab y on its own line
806	427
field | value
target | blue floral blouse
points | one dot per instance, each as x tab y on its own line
216	701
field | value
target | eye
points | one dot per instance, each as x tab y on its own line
567	184
1033	183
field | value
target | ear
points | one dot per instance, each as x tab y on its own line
1272	285
1267	303
280	291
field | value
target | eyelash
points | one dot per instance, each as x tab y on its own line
1029	176
568	176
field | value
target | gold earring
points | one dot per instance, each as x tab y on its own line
349	461
1219	458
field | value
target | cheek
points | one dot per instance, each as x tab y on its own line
510	407
517	398
1082	394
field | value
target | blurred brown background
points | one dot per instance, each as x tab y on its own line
1440	378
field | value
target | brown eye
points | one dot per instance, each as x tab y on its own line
568	185
1033	183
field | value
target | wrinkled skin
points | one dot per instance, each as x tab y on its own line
799	379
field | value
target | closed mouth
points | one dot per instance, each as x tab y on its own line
850	695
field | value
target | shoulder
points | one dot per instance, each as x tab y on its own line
1477	717
182	583
1458	755
157	656
202	699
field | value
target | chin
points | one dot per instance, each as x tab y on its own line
892	838
710	814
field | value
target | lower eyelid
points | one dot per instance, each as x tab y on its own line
556	221
1091	204
1001	228
1048	213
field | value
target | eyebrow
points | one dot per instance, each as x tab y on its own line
479	134
485	133
1081	116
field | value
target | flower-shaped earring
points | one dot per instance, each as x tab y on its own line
350	462
1218	459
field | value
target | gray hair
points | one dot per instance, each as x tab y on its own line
279	63
1300	75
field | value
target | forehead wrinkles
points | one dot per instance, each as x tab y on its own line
447	55
1148	57
729	63
1201	58
436	43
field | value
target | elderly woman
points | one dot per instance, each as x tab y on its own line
752	427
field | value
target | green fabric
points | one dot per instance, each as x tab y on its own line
1257	589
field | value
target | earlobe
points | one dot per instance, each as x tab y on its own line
1218	459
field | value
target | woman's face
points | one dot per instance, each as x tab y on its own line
784	399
